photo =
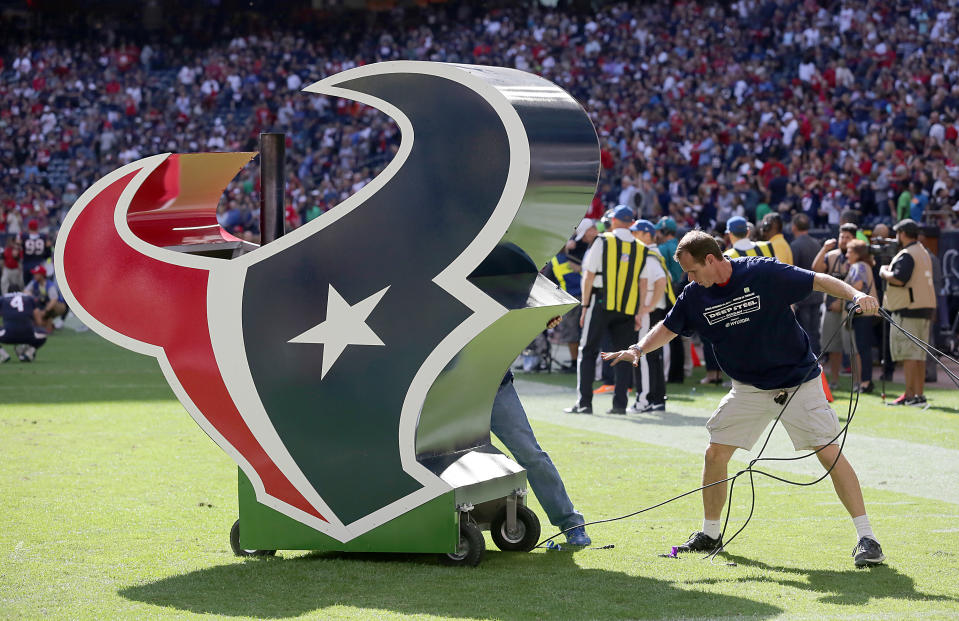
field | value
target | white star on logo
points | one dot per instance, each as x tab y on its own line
344	325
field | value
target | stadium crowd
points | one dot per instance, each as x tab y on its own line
704	111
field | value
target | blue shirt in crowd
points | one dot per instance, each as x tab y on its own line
749	323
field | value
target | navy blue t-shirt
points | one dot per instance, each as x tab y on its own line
17	312
749	324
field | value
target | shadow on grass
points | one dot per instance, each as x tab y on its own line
669	419
504	586
851	587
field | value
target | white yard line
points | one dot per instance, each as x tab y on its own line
882	463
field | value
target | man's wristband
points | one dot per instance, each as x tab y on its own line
636	348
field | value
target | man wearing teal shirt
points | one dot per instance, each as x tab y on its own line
667	242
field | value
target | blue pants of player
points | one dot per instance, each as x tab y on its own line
30	336
510	425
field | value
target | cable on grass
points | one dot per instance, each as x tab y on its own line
751	470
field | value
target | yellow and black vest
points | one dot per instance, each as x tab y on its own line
564	273
761	249
670	292
919	291
622	264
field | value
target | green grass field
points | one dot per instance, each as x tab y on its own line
117	506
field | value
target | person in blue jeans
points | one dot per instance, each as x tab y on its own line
861	278
509	423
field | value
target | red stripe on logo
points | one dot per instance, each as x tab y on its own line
165	305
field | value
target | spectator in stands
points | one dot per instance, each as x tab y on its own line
756	99
12	265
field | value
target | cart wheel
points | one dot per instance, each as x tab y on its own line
235	544
470	550
524	538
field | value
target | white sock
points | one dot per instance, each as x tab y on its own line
712	528
863	529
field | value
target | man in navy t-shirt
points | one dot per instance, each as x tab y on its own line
741	308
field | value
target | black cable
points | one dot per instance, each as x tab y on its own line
924	346
853	405
698	489
854	395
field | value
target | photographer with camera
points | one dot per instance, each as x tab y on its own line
911	297
831	260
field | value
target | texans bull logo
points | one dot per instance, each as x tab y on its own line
308	360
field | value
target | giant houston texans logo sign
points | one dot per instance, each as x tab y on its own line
309	360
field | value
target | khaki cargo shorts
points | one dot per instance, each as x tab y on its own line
900	346
746	411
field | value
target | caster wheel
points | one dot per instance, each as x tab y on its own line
471	546
525	536
235	544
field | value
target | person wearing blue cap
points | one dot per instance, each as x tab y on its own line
615	271
649	378
740	245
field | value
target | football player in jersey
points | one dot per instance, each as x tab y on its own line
36	249
16	309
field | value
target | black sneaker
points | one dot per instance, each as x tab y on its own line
654	407
868	552
701	542
919	400
616	411
578	409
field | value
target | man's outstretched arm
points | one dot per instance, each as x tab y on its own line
654	339
844	291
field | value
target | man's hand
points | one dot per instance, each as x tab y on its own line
582	317
552	323
868	305
643	310
627	355
829	244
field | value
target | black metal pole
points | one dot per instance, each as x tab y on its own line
272	186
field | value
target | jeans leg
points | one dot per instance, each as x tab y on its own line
862	326
508	422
